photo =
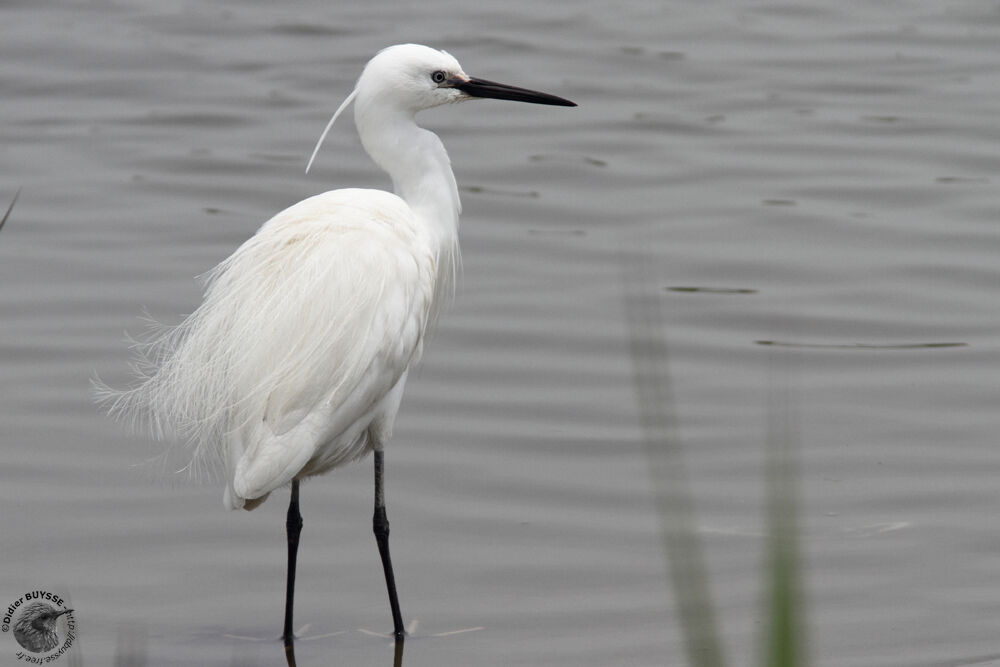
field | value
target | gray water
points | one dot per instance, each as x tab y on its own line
812	188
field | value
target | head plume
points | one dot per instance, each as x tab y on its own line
340	110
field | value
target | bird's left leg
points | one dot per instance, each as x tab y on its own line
293	524
380	525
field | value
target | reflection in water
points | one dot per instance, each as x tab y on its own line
858	346
397	654
303	635
592	161
713	290
961	179
479	189
557	232
131	646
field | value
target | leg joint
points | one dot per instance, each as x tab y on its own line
293	520
380	523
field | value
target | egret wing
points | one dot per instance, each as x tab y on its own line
339	318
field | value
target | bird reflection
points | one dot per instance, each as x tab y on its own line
303	634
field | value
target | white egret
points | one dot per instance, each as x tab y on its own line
296	360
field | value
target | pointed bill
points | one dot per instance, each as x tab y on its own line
501	91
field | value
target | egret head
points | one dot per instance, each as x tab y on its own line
415	77
410	77
407	78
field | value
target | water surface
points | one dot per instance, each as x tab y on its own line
812	187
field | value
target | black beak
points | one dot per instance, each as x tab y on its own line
501	91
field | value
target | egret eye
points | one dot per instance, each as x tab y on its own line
438	76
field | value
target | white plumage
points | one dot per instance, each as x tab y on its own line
303	334
296	360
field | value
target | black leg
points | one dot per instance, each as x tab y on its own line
397	656
293	524
380	524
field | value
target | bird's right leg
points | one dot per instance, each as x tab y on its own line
380	525
293	524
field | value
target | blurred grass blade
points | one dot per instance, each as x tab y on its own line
132	645
785	640
10	208
674	505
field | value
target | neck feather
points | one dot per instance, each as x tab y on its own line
419	166
421	175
